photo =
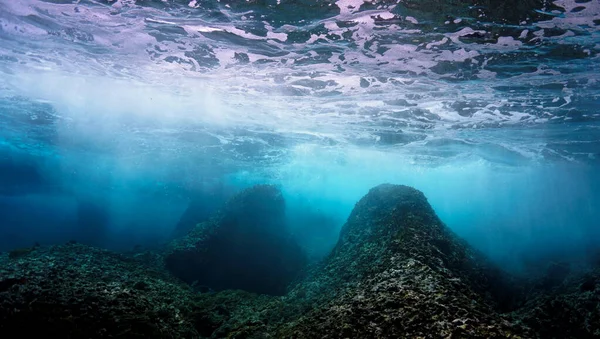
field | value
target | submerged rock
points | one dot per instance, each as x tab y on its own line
397	271
246	246
568	310
75	291
556	273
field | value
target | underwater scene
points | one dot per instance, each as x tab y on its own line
300	169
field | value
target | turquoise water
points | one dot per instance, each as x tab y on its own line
131	108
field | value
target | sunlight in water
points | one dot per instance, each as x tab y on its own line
150	128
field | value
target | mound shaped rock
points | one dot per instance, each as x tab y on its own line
76	291
398	271
246	246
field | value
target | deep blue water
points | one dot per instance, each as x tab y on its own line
114	115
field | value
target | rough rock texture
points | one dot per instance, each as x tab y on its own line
567	309
246	246
75	291
397	271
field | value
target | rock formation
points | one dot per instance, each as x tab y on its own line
246	246
396	272
75	291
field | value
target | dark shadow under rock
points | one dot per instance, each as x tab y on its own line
75	291
246	246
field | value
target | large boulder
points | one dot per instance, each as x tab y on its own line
398	271
246	246
75	291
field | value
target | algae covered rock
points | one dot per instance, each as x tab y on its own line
246	246
397	271
568	309
75	291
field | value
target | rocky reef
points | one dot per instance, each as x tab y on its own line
246	246
396	272
76	291
567	306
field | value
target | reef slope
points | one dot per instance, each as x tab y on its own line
396	272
